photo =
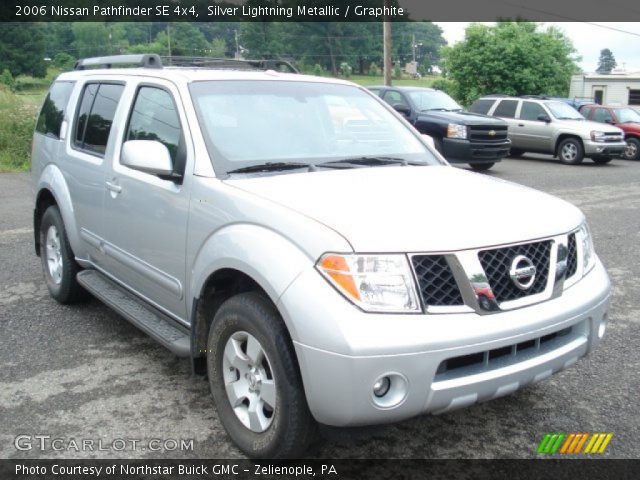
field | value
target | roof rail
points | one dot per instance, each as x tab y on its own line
149	60
539	97
230	63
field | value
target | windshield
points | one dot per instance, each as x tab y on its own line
562	111
250	123
433	100
627	115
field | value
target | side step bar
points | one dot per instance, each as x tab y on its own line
154	323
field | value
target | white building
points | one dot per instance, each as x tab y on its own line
617	88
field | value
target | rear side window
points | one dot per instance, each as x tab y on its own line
95	115
481	106
53	109
506	109
585	111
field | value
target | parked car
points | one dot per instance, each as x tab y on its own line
304	247
625	118
461	137
552	127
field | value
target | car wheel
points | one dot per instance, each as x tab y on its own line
58	261
571	151
632	152
601	160
255	381
515	153
481	167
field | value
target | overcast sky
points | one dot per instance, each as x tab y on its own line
623	39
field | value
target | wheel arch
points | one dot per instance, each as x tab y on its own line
564	136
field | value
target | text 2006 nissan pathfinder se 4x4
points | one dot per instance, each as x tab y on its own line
304	246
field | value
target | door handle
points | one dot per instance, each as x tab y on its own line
113	187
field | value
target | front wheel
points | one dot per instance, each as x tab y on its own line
571	151
601	160
255	381
58	261
481	167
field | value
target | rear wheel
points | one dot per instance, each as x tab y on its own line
601	160
58	261
571	151
255	381
632	152
481	167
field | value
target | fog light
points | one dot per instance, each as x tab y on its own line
601	329
381	387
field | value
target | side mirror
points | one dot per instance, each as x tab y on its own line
149	156
402	108
544	118
429	140
609	121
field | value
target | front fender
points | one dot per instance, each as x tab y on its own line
267	257
53	180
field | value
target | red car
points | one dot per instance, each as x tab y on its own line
625	118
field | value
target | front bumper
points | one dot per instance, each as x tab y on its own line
457	150
604	149
343	351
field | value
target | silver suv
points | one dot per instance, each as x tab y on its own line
551	126
304	246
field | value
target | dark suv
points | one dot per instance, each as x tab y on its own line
461	137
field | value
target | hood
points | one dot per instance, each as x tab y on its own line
586	126
417	209
463	118
629	127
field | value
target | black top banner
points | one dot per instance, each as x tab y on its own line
316	10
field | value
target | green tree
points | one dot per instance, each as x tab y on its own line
606	62
185	40
22	49
513	58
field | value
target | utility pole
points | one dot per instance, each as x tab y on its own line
237	45
169	40
386	34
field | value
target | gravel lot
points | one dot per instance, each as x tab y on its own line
82	372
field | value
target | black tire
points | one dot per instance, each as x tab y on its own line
633	149
601	160
571	151
481	167
292	428
62	284
516	153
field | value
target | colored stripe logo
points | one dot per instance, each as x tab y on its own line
574	443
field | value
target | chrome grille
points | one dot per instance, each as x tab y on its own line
497	262
572	256
437	285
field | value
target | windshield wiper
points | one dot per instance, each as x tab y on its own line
439	109
371	161
271	167
570	118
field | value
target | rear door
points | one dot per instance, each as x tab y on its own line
533	134
506	109
146	216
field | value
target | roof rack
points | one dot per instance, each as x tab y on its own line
539	97
230	63
150	60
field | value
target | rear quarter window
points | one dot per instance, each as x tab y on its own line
481	106
53	109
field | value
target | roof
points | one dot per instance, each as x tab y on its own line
615	77
401	87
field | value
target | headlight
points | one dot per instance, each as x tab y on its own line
375	283
597	136
588	255
456	131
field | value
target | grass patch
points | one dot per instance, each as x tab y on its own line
17	120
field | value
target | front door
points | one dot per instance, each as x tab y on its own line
534	134
146	216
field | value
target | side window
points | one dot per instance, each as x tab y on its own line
394	98
481	106
377	91
506	109
53	109
154	117
95	116
585	111
602	115
531	111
